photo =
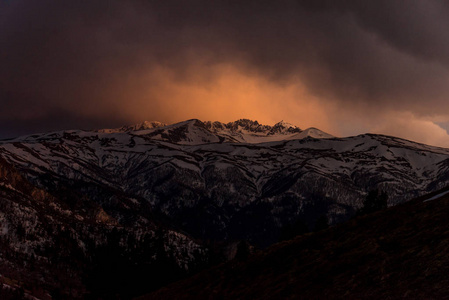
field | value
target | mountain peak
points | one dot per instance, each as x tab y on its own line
284	124
284	128
194	131
314	133
246	124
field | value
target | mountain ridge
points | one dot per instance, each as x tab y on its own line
166	196
242	130
180	166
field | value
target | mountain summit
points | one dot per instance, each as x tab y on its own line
194	131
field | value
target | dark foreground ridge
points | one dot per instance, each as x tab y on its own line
401	252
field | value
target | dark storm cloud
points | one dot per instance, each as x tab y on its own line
89	57
52	120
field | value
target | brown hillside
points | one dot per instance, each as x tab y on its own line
402	252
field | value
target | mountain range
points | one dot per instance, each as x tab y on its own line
166	197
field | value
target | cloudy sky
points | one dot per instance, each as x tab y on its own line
346	67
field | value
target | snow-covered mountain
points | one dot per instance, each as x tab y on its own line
201	180
227	169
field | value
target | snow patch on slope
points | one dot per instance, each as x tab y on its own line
312	133
437	196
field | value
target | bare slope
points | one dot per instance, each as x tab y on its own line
402	252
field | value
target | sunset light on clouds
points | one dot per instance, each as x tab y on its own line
346	68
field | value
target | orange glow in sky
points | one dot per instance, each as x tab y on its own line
228	96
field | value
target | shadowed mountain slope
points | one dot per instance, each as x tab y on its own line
213	181
401	252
